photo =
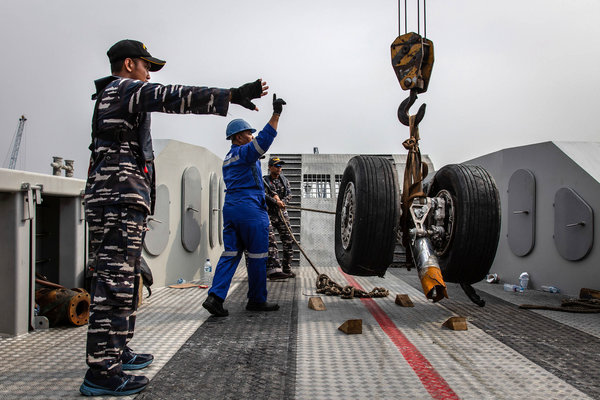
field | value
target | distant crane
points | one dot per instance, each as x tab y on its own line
17	143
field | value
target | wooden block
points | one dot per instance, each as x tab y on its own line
316	303
404	301
351	326
187	285
456	323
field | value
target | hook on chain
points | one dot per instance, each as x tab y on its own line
403	116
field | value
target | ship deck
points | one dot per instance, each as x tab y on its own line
299	353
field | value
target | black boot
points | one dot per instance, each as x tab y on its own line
289	273
277	276
214	305
254	306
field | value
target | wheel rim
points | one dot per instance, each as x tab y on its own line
442	246
348	212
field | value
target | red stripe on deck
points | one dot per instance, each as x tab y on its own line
437	387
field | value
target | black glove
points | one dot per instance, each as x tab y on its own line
245	93
277	104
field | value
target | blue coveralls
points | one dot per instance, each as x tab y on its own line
245	218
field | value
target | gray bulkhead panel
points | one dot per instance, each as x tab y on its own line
213	210
521	212
562	256
191	218
573	225
221	201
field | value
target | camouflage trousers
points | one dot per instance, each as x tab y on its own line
274	264
116	234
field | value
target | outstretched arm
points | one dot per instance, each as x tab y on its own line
277	109
179	99
141	96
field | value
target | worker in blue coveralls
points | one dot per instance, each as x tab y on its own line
245	218
119	195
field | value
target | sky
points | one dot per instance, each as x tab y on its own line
506	73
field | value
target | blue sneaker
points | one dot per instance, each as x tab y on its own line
116	385
131	360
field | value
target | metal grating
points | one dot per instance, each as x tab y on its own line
316	186
51	364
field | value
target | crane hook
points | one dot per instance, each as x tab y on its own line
403	116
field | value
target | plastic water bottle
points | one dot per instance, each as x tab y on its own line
524	280
512	288
519	289
207	272
509	288
551	289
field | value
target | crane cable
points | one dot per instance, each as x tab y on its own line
418	17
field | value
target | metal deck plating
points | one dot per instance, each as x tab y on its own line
298	353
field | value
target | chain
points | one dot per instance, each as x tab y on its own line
324	283
330	288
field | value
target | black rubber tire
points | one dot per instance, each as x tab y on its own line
476	228
370	248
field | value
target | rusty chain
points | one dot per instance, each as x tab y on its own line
329	287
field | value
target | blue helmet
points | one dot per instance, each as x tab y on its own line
237	125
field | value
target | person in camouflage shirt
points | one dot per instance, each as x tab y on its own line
119	195
278	195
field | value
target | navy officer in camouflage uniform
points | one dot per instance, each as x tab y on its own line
119	195
278	195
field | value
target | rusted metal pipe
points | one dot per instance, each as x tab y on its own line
62	305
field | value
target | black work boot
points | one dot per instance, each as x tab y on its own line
254	306
289	273
214	305
115	385
276	276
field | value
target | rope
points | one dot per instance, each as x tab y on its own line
329	287
310	209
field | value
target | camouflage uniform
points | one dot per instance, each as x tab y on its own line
281	187
119	195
